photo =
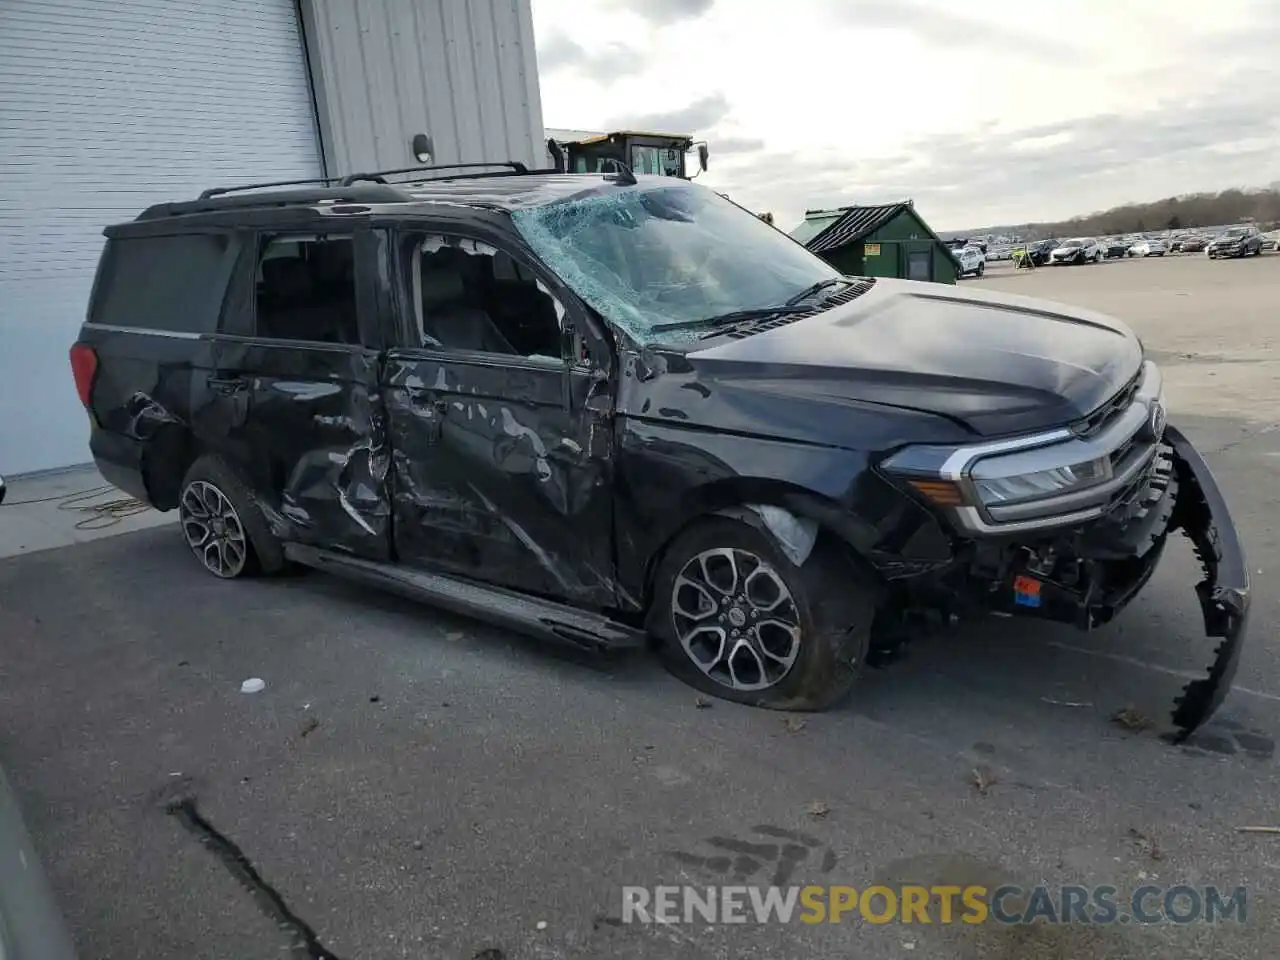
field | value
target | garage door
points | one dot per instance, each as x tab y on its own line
107	106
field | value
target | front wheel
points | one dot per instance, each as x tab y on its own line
736	619
982	268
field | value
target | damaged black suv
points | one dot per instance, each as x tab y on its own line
622	410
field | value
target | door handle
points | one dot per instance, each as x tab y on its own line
226	386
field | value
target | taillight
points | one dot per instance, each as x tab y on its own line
84	366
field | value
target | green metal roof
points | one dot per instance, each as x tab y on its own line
815	221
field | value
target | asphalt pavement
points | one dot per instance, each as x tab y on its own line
413	785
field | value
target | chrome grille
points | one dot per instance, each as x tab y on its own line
1101	418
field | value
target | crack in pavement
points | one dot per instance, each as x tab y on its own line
304	945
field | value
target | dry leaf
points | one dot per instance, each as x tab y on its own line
702	703
983	779
311	724
818	809
793	724
1146	844
1130	719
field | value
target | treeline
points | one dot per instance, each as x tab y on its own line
1173	213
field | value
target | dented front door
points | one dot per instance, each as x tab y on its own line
495	474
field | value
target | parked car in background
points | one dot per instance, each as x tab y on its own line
1114	248
1270	241
1038	252
972	261
1148	248
1076	250
1194	244
1244	241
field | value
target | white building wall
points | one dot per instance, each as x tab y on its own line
464	72
106	107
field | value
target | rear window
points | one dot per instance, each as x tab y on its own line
162	283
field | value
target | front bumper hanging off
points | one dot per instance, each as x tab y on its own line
1201	513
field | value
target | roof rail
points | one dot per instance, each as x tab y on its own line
379	176
359	193
219	191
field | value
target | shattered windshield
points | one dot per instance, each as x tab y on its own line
648	256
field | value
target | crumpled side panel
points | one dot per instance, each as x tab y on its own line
309	435
492	481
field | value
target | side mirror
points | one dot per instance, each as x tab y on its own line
703	153
422	149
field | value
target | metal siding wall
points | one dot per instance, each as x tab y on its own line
462	71
107	106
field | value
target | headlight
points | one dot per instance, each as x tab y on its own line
994	488
1054	476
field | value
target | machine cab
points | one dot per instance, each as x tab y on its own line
662	154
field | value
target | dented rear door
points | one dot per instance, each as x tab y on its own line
295	405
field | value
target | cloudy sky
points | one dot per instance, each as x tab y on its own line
983	116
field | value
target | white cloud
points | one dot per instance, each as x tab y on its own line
982	116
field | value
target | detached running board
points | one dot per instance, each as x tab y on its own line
504	608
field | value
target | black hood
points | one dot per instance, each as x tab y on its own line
993	363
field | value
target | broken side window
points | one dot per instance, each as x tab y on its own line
472	296
306	290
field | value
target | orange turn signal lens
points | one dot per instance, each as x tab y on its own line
942	492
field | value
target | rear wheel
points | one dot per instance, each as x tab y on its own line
736	619
982	268
223	526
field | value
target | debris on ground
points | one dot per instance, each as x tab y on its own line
253	685
375	698
1130	718
1275	830
309	727
983	778
1066	703
453	636
489	953
793	724
1146	844
817	809
417	844
702	703
542	924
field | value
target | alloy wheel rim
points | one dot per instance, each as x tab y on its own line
212	529
736	619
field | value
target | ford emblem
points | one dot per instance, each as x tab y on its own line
1156	420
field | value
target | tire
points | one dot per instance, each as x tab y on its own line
982	268
230	516
819	632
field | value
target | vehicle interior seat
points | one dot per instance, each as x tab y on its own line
449	315
284	308
522	310
333	272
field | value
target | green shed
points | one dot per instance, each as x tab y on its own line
890	240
